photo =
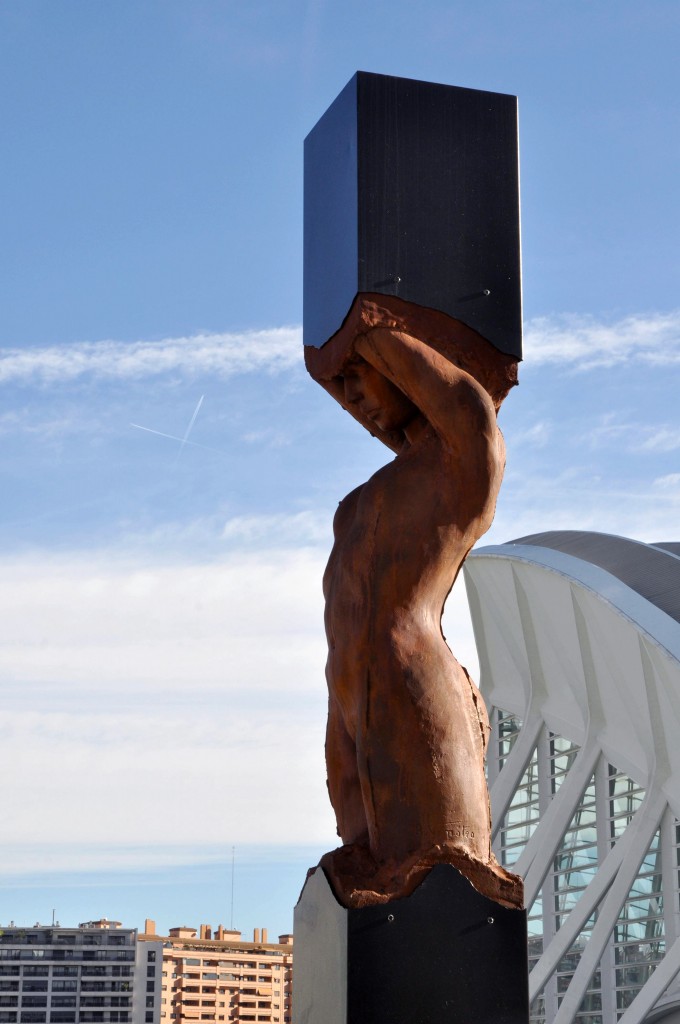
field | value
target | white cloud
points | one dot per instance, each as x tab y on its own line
669	482
567	338
535	436
251	621
661	439
142	691
147	688
587	342
576	499
127	778
299	528
268	437
219	354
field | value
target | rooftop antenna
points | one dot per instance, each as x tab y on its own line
231	926
53	917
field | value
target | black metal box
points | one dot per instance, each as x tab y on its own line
412	189
444	955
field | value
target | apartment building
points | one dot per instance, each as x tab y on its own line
221	977
85	975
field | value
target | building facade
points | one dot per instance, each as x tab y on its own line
579	643
85	975
222	978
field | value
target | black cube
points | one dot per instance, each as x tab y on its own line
412	190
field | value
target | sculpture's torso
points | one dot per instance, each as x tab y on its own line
407	730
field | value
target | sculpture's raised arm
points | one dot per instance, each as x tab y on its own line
451	400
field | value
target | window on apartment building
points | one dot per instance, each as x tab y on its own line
151	955
39	970
150	986
151	972
148	1018
149	1000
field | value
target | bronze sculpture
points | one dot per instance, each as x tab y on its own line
407	728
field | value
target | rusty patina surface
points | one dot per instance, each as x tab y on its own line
407	728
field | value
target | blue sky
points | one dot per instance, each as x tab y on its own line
161	666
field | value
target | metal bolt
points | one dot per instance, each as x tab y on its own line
486	291
489	920
390	918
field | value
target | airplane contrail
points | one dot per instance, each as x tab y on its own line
188	430
173	437
182	440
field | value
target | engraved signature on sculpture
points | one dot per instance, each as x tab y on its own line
457	830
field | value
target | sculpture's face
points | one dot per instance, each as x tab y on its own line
376	397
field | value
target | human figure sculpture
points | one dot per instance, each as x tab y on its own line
407	727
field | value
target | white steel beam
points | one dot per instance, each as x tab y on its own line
537	856
654	988
593	894
510	777
646	823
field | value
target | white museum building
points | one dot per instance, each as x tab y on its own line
579	644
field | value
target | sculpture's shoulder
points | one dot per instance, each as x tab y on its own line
346	511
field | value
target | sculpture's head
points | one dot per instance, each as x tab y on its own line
376	397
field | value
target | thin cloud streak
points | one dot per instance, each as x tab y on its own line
652	338
222	355
587	343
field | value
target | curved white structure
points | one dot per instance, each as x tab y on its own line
579	645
